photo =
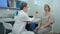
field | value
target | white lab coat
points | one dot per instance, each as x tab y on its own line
20	23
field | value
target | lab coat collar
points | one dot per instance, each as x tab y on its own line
22	11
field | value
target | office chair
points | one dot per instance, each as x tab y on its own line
7	26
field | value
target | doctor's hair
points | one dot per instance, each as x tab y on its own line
22	5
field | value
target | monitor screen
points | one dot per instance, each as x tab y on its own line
3	3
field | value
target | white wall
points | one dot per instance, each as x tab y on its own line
56	11
34	6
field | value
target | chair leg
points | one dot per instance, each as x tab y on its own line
4	31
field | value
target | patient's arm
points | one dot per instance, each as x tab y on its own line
39	24
47	24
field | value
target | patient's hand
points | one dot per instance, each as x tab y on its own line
41	28
38	28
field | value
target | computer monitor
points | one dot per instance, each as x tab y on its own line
3	3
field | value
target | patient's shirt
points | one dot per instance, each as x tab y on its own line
49	18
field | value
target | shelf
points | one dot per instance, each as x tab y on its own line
9	8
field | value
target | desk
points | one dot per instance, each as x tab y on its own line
7	20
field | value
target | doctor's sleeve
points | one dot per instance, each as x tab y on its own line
26	18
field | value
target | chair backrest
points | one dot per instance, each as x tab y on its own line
7	25
51	32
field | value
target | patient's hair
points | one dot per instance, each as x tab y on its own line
47	6
22	5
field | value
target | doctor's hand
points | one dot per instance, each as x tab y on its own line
29	22
36	12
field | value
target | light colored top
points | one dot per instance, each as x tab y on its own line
49	18
22	16
20	22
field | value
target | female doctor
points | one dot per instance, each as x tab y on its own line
21	19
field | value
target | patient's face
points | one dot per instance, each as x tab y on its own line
46	8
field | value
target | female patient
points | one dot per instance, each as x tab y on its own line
47	19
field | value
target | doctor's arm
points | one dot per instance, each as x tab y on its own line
35	14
